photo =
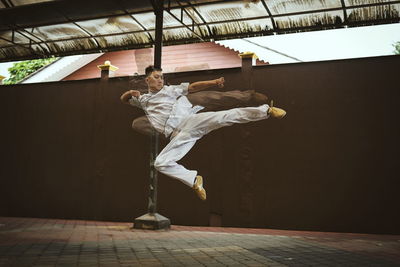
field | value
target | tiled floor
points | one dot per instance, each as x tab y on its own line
51	242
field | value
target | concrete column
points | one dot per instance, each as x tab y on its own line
245	175
248	60
102	105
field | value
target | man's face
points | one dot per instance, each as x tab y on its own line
155	81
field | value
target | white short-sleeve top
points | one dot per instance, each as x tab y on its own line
167	108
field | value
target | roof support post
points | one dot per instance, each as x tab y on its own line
159	11
152	220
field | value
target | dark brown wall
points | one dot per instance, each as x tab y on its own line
331	164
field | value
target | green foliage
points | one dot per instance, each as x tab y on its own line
397	48
22	69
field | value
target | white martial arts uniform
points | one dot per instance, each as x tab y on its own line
171	113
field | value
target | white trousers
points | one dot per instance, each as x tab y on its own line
195	127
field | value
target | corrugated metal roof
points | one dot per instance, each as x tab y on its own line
34	29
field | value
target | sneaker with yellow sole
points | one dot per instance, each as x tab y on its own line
276	112
198	187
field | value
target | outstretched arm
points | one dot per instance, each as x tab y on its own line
128	94
201	85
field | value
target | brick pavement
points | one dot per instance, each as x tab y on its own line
52	242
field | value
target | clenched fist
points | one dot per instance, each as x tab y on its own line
134	93
128	94
220	82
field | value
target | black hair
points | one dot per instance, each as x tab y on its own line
150	70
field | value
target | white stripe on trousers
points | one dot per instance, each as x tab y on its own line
192	129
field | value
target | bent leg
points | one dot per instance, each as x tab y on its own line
175	150
142	125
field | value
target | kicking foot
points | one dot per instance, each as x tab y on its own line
198	187
276	112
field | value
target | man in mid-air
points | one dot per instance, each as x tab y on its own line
171	114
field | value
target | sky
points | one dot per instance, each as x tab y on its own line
356	42
329	44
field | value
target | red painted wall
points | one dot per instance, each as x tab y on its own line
175	58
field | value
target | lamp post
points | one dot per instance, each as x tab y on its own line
152	220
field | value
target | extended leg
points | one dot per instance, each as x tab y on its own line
203	123
212	101
175	150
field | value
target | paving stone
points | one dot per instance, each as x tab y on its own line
47	242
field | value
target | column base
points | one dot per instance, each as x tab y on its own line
152	221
